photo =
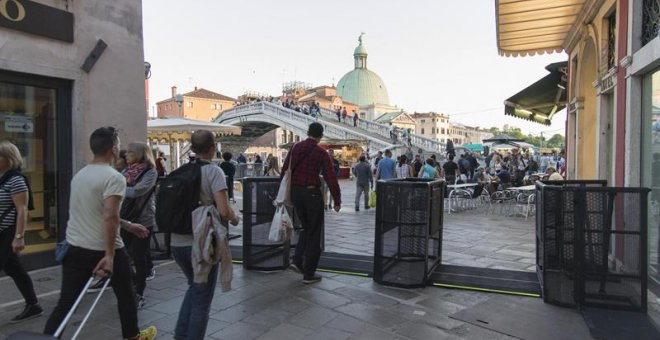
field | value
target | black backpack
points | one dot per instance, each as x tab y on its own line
177	197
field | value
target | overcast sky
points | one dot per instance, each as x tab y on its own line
432	55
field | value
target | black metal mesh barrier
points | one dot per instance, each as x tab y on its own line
408	243
591	245
258	210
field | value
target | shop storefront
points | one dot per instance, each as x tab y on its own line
60	79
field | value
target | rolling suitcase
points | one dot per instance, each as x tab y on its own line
39	336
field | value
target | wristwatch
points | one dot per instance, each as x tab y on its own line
18	236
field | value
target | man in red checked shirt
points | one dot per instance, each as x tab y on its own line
307	161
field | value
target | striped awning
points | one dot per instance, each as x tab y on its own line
528	27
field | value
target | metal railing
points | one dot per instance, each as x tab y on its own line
377	134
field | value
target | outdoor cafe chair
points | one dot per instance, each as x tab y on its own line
525	204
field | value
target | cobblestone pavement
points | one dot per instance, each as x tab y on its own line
471	238
276	306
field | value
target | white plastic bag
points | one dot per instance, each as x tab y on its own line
284	192
282	227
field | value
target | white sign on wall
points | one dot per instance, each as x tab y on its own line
24	125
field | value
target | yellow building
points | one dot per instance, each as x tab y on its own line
200	104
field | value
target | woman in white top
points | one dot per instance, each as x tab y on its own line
403	170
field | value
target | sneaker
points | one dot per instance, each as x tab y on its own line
140	301
148	333
152	274
96	287
312	279
30	312
295	268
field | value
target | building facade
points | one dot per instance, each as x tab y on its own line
66	68
199	104
437	126
613	95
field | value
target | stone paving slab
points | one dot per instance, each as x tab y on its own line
276	306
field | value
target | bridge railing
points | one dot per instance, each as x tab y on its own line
337	129
371	126
301	122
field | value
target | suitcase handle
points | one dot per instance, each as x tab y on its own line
73	309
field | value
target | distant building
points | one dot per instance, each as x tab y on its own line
399	119
200	104
327	97
432	125
437	126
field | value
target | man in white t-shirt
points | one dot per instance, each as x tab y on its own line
95	246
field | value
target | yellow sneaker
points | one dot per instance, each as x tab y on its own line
148	333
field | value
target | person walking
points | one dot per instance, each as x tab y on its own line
14	198
386	167
363	183
450	169
417	165
403	170
141	176
95	246
335	166
230	171
307	160
355	118
194	313
344	114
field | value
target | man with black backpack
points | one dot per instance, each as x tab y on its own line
198	184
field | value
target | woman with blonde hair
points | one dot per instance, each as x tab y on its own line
139	208
14	197
273	166
141	176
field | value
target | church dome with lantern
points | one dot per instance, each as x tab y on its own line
362	86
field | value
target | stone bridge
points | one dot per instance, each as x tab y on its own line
258	118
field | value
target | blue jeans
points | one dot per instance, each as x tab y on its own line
194	313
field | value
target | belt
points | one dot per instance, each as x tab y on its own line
307	186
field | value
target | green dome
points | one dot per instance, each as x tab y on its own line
362	87
360	50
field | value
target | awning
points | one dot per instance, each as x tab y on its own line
540	101
474	147
534	26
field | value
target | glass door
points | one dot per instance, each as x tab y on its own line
29	120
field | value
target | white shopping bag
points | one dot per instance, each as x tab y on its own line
282	227
284	192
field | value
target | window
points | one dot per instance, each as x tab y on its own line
422	130
443	131
189	104
423	121
611	41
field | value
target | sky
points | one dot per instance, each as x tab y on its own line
433	55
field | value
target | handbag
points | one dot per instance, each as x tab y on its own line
284	191
281	228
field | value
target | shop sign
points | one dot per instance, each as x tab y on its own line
23	125
608	82
35	18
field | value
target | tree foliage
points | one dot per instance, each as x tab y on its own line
556	141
